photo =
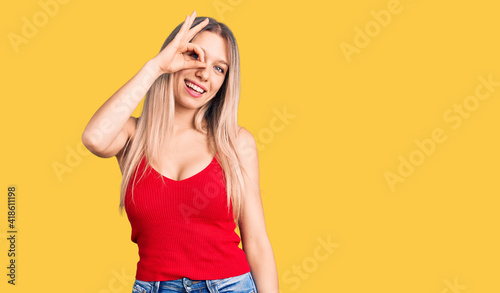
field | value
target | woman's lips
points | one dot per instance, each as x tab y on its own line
199	85
192	92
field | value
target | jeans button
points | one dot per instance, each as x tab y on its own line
189	283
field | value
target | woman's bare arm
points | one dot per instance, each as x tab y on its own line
111	126
254	238
107	131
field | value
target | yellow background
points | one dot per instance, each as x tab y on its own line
322	173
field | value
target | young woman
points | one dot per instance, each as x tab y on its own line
190	173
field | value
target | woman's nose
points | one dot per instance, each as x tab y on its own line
202	73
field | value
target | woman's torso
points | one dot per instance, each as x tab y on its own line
180	219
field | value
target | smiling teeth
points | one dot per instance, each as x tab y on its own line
195	87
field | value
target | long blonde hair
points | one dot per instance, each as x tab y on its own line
220	114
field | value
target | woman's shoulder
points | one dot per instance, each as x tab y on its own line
246	140
245	135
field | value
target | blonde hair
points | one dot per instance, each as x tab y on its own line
220	115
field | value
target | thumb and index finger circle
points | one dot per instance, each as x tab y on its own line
190	62
190	47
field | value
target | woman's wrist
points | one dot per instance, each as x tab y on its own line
153	67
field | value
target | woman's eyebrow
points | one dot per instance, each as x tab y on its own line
220	60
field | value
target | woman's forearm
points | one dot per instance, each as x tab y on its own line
110	118
261	260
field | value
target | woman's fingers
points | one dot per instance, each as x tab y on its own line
189	33
187	25
197	49
192	62
193	31
184	28
174	56
186	33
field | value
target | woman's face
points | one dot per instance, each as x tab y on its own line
209	79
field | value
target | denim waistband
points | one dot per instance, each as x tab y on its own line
188	285
180	285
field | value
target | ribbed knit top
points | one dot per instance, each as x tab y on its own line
183	228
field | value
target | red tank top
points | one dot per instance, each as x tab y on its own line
183	228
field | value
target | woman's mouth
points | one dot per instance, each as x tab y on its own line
193	89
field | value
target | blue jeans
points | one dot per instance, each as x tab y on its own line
238	284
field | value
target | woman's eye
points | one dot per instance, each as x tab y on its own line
219	69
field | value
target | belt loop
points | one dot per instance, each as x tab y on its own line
156	287
211	288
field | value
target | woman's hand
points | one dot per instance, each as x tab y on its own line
172	57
